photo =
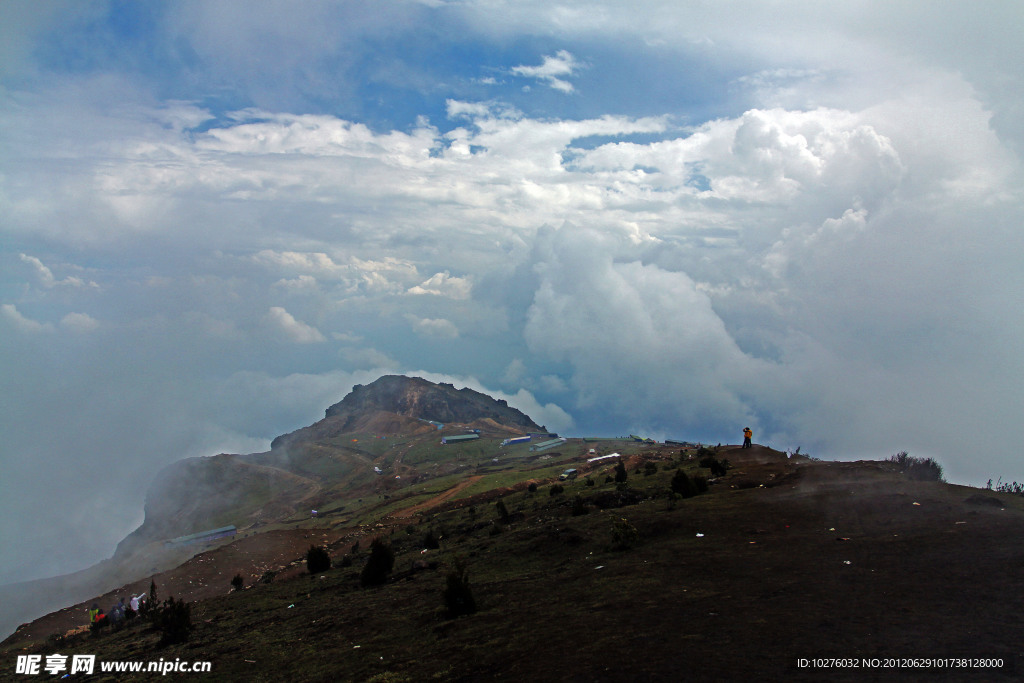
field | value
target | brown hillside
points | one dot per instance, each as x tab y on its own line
782	560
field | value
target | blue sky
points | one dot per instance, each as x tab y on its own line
675	218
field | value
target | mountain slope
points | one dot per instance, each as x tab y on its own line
208	492
782	560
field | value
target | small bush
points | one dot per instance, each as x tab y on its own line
430	541
174	621
624	534
609	479
317	560
701	483
268	576
578	506
650	468
532	488
458	598
378	565
346	561
919	469
620	473
718	467
502	511
556	489
682	485
237	583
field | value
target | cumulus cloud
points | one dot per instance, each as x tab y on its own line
812	228
296	331
446	285
21	323
79	322
433	327
553	70
47	279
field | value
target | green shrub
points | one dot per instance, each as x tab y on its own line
718	468
578	506
458	598
620	472
430	541
237	583
532	488
556	489
650	468
919	469
317	560
502	511
682	485
590	482
378	565
174	621
624	534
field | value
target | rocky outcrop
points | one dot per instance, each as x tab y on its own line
412	402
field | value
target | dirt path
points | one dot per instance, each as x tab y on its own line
435	501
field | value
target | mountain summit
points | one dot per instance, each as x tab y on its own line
368	432
396	403
419	399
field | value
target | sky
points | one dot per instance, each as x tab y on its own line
672	218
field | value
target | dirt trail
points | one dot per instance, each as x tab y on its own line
435	501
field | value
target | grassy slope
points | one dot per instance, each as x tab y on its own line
768	582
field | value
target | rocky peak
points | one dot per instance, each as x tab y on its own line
419	399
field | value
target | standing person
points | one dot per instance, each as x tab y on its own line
94	612
747	434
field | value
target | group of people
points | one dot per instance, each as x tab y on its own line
119	612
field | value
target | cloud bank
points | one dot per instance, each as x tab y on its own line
222	216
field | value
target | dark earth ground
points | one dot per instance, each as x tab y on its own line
781	560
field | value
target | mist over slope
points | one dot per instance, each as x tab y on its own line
304	469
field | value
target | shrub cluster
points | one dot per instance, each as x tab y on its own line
919	469
718	467
688	487
624	534
174	621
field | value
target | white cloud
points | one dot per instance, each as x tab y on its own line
80	323
433	327
445	285
47	279
296	331
367	358
21	323
553	70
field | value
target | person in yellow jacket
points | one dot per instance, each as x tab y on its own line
747	434
94	612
